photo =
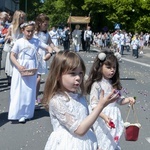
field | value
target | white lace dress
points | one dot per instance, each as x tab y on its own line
66	115
108	139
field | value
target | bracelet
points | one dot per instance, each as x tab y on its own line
51	53
54	52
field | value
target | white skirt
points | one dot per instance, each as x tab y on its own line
63	140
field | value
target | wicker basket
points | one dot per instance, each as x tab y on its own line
29	72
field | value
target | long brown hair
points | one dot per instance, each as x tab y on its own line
39	20
96	71
62	62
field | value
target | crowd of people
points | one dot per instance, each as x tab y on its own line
118	41
29	40
121	40
77	38
77	125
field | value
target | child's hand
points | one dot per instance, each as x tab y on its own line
111	124
115	94
118	92
57	49
112	97
9	38
21	68
131	100
47	56
107	120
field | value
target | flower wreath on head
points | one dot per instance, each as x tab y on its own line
27	24
102	56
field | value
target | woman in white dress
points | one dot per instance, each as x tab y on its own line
67	106
23	88
13	34
104	75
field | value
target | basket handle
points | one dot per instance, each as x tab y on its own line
134	113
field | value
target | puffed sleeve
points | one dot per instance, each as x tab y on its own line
15	47
60	108
95	94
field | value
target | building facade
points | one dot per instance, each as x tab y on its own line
9	5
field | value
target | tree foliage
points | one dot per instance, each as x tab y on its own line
133	15
31	8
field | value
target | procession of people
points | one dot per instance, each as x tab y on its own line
76	124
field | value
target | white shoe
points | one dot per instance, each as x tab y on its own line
141	52
22	120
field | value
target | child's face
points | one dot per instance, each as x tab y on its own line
108	71
44	26
71	80
28	32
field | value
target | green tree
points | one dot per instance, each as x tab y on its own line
31	8
143	22
133	15
59	10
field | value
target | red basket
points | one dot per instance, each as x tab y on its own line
132	129
131	133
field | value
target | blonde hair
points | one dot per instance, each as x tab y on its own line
16	19
4	15
62	62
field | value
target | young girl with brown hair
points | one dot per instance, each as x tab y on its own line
64	96
41	32
104	75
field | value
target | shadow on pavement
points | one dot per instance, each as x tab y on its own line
92	51
39	114
127	79
3	118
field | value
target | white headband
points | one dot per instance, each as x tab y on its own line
27	24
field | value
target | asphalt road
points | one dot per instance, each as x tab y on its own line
33	135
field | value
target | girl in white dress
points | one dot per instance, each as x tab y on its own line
54	36
104	75
13	34
67	106
23	88
42	23
141	42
